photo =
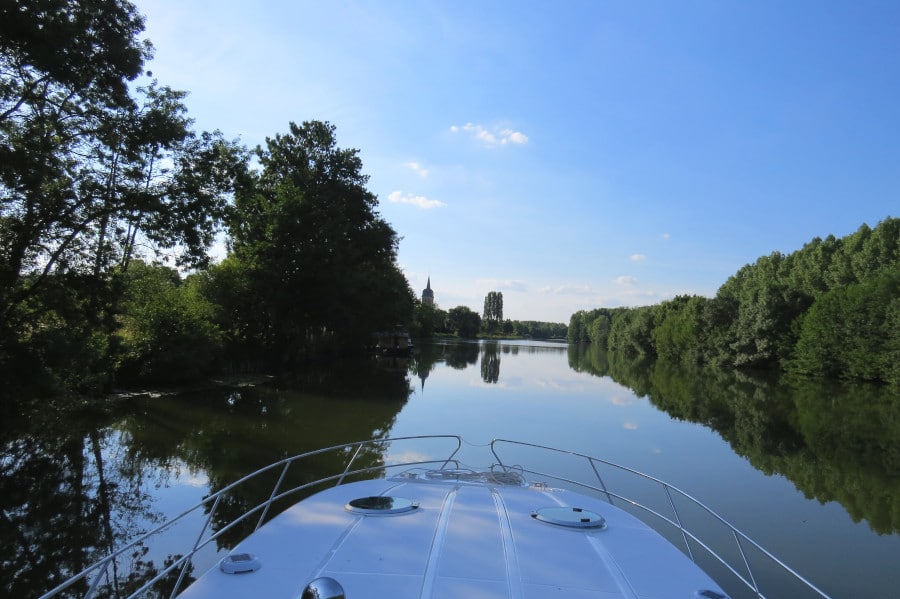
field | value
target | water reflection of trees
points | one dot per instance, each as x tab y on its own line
457	355
69	494
835	442
490	362
74	486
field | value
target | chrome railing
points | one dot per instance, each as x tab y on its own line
96	575
674	520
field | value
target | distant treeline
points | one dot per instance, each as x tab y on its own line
829	309
430	321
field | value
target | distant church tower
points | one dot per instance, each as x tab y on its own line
428	294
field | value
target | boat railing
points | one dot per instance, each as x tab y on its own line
673	520
98	573
174	576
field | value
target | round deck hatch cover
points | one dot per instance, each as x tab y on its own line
240	563
572	517
381	504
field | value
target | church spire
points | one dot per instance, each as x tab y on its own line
428	294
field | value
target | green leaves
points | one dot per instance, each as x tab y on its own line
493	311
167	328
853	332
464	321
319	257
829	309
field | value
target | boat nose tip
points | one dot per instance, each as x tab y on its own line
323	588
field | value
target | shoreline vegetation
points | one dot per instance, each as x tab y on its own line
830	309
110	200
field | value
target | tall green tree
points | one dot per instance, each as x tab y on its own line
492	316
90	170
64	69
319	257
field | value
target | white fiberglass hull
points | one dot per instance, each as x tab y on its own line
460	539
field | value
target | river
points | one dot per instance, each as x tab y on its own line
809	470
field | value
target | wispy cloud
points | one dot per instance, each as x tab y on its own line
638	257
626	280
492	137
567	290
666	236
397	197
504	284
417	168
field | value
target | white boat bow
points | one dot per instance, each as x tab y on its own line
432	528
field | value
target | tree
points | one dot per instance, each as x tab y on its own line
631	331
167	327
427	320
577	331
598	331
493	311
853	332
677	336
319	258
64	68
464	321
89	171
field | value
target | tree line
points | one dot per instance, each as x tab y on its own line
108	195
830	309
429	321
110	201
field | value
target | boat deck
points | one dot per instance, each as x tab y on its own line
459	538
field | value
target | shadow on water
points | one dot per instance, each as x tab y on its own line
74	485
835	442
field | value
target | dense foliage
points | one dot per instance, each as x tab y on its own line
831	308
306	241
166	328
464	321
90	169
103	182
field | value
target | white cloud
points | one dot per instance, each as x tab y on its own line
567	290
626	280
665	236
638	257
397	197
418	168
504	284
514	137
494	137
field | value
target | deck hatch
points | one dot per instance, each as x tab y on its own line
381	505
240	563
570	517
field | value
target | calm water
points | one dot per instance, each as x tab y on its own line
811	472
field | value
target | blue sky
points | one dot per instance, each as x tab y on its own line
572	155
